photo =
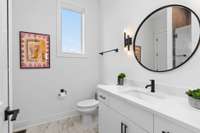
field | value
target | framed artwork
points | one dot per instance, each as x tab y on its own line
138	53
34	50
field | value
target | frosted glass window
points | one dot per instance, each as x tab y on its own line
71	31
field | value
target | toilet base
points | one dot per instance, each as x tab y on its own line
87	120
88	110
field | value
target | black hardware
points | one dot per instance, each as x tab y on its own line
175	35
63	91
165	132
9	112
116	50
152	85
102	97
123	128
21	131
181	55
127	41
126	128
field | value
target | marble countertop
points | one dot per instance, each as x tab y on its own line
172	107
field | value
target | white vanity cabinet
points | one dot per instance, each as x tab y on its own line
118	112
162	125
111	121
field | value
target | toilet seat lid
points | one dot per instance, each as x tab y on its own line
88	103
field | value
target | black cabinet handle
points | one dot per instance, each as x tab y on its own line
123	128
126	128
102	97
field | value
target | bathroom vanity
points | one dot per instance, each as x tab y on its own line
136	110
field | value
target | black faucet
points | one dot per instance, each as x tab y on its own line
152	85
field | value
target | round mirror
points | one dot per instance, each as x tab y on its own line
167	38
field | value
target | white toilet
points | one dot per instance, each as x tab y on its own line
87	108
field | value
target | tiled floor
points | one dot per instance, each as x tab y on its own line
70	125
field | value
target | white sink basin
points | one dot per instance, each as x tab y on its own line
144	95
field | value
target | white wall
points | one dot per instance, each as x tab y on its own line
35	91
119	14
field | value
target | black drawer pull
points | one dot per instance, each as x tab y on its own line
102	97
165	132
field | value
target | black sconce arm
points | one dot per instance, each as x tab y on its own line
127	41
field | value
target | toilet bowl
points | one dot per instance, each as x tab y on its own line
87	109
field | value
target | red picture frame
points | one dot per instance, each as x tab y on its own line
34	50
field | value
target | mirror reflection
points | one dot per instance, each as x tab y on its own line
167	38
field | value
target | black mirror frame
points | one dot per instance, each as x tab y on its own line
137	31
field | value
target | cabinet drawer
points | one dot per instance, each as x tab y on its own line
162	125
137	115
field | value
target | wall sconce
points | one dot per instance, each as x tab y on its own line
127	41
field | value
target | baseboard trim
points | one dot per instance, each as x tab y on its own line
22	125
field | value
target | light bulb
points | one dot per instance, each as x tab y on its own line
129	53
125	49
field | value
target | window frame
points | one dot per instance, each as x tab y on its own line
68	6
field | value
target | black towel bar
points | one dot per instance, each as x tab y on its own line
116	50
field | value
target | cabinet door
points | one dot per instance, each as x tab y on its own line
165	126
132	128
110	121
